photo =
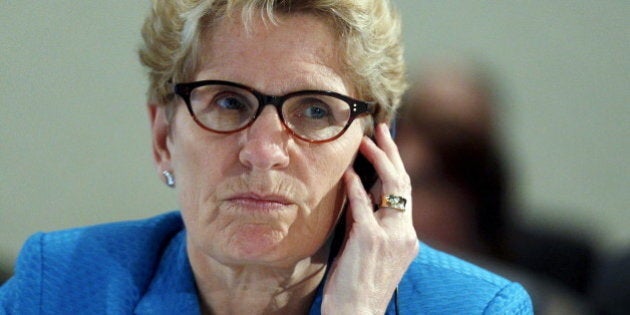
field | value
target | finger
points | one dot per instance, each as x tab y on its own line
393	180
359	203
376	191
378	158
385	141
391	171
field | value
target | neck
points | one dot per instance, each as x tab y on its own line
256	289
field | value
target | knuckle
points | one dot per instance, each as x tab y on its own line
406	178
406	182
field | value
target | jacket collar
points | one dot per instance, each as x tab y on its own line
173	289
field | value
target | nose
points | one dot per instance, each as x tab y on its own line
265	142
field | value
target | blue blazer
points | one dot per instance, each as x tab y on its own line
141	267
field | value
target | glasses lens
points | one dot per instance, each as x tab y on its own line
316	116
223	108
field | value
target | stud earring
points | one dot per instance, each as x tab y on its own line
170	179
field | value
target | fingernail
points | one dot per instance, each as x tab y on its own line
383	126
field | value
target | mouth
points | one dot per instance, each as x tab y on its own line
259	203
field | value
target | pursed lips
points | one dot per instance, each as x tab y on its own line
258	202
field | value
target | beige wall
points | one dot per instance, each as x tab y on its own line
74	138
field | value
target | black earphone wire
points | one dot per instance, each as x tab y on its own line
396	301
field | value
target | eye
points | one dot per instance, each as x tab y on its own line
310	108
232	102
316	111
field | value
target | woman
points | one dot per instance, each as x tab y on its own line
262	189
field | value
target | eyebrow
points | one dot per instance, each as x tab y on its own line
325	79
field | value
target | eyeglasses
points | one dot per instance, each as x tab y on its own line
311	115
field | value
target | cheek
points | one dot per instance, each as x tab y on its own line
200	162
322	217
202	166
326	165
196	166
325	171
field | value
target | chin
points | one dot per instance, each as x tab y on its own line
256	243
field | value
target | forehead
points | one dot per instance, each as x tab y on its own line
296	52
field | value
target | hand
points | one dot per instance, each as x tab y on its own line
379	245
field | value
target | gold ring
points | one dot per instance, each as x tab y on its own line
394	202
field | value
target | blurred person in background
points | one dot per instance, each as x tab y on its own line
446	135
611	285
448	138
4	273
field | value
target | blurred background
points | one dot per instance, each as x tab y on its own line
74	135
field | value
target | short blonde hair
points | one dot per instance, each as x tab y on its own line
368	31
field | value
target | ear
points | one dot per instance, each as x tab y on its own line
160	130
